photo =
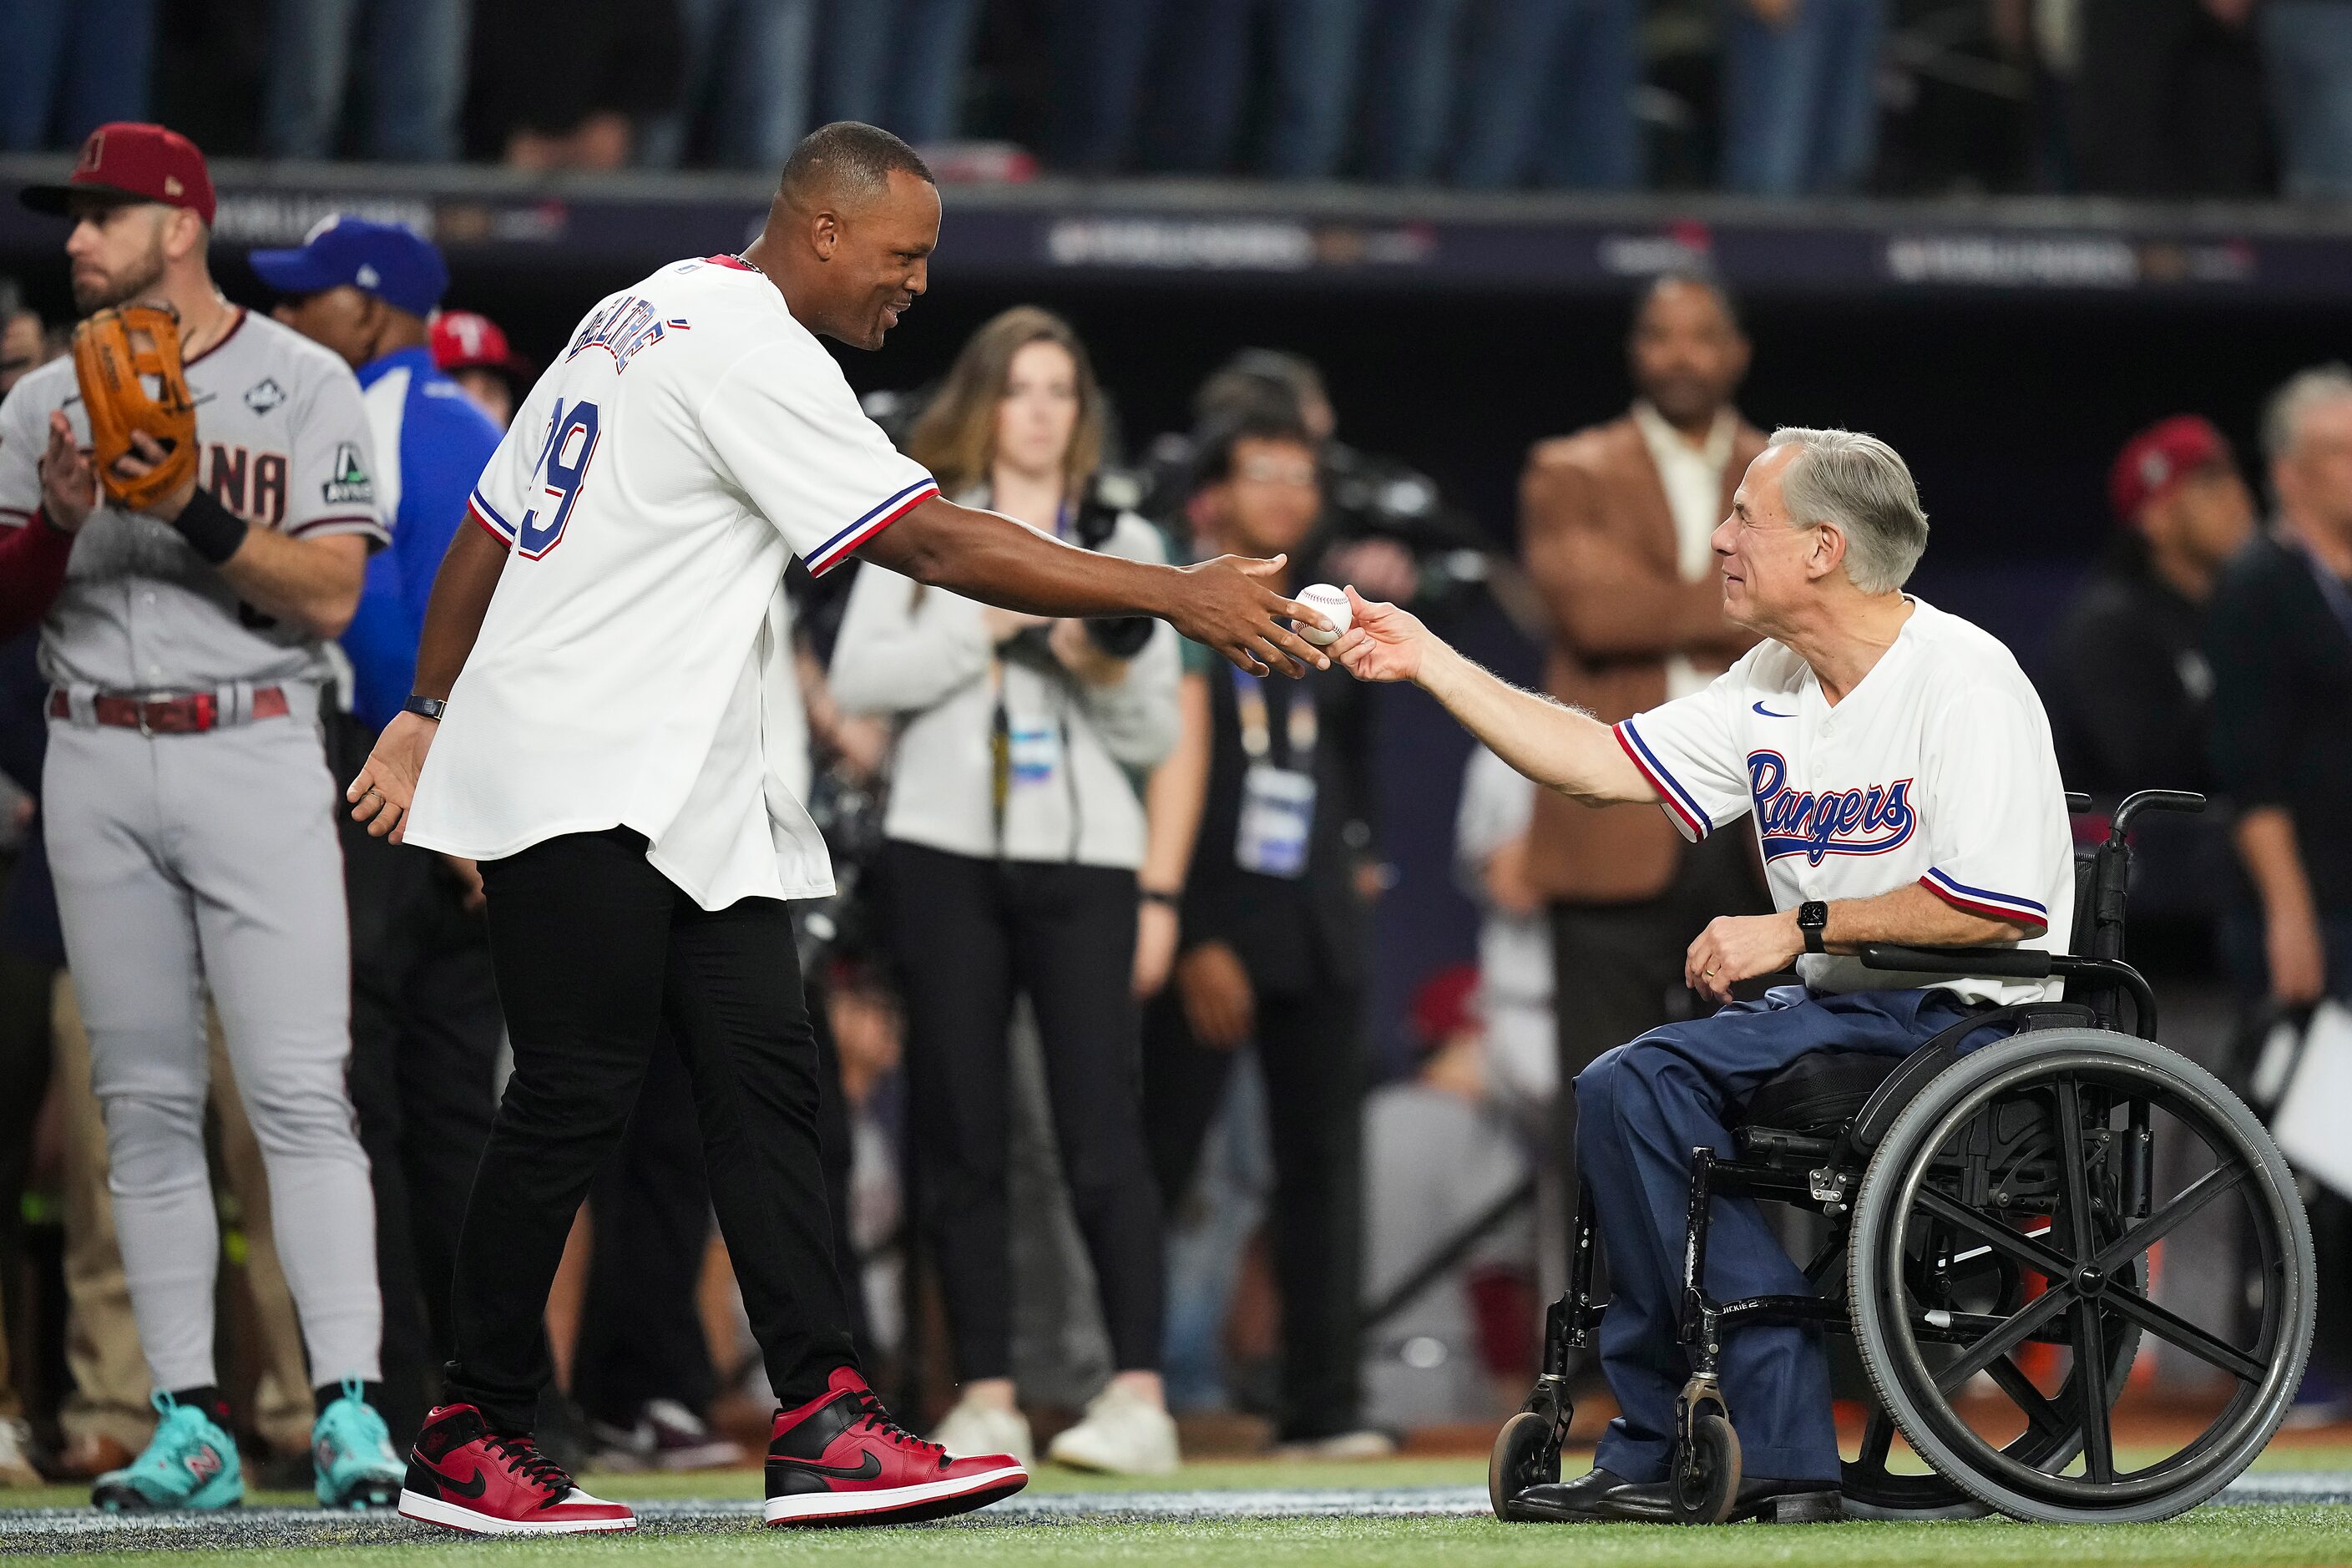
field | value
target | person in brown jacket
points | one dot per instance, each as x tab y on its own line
1615	521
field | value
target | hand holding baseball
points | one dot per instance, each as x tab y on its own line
1384	644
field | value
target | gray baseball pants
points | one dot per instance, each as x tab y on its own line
187	862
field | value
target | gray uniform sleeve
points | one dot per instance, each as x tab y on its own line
23	436
332	487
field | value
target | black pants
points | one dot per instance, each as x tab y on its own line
1619	967
971	934
423	1080
596	951
640	1331
1310	1048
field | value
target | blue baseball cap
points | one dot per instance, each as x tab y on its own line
390	260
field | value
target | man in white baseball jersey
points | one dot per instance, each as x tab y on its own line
189	807
1898	767
612	750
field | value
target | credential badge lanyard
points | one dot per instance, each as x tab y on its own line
1277	802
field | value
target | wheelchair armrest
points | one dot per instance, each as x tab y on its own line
2008	963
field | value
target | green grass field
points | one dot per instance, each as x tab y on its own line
2277	1537
2213	1538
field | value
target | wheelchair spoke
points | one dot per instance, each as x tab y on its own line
2082	1239
2164	1221
2042	1414
2002	1340
2025	1248
2091	1394
2178	1331
1877	1440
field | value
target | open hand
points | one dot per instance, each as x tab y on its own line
69	483
1384	644
1219	1003
381	795
1227	607
1741	947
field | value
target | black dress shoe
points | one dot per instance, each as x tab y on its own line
1594	1495
1773	1503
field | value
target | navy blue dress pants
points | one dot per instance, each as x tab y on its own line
1641	1109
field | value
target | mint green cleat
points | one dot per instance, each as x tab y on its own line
351	1453
190	1463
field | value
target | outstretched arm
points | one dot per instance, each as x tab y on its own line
1222	603
1560	747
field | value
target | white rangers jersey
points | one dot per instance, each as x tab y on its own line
634	669
1937	769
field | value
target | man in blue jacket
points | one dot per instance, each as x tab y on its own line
424	1011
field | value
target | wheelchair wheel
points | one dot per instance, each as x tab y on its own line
2034	1159
1705	1477
1526	1454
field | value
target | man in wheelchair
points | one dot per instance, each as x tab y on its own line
1899	770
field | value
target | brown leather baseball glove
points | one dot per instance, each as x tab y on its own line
117	353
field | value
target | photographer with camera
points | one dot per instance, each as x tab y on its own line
1013	834
1382	525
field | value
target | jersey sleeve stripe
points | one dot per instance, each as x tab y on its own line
1694	823
14	517
488	516
1978	901
830	553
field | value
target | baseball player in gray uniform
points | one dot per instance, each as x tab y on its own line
188	800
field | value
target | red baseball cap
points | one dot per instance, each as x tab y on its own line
468	340
135	162
2160	458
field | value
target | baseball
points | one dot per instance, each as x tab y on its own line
1329	602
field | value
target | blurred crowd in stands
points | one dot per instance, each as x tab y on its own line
1110	1137
2145	98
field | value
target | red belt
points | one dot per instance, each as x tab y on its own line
190	715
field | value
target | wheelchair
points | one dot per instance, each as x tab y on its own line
1990	1221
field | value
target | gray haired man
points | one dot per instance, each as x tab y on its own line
1898	770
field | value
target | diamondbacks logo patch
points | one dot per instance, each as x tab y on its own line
264	394
349	483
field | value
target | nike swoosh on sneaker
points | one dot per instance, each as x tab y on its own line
476	1487
1768	714
867	1467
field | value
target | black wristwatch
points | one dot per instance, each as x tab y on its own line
429	707
1813	915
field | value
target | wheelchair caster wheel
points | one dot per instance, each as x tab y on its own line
1526	1454
1705	1478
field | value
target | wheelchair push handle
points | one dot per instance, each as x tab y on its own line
2151	800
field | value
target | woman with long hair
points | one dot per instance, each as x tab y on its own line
1013	834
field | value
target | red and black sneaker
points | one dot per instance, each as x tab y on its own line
840	1459
466	1477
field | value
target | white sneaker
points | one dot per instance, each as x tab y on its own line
970	1428
1122	1435
1364	1444
16	1454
